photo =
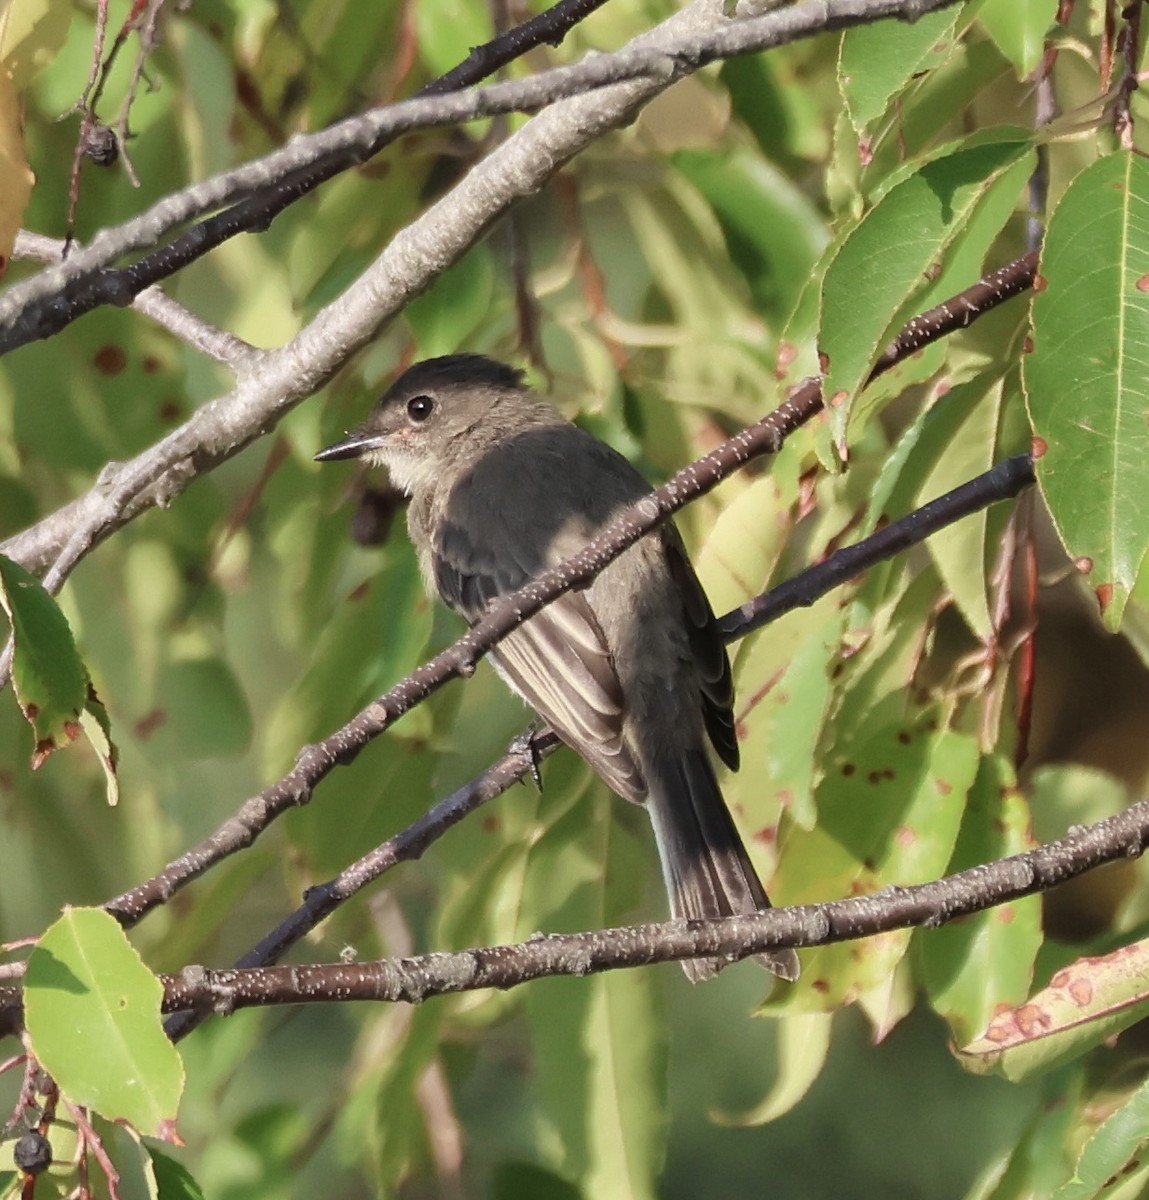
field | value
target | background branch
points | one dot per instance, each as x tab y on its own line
277	380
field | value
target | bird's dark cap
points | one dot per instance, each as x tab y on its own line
431	375
474	369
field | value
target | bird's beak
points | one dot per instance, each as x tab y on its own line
354	445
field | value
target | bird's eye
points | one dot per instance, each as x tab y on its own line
419	408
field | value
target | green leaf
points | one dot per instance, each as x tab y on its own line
602	1083
1087	379
206	714
1018	29
963	263
803	1046
98	730
33	35
768	222
387	613
745	543
785	121
784	694
960	550
974	966
890	807
51	681
876	61
398	1119
883	269
527	1181
451	309
1037	1163
171	1180
626	1073
116	387
93	1015
1113	1153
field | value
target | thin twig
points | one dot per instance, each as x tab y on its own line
549	27
1002	482
218	344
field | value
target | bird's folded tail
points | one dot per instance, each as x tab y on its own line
704	863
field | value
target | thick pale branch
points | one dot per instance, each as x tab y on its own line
275	381
621	82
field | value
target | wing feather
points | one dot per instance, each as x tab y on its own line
558	661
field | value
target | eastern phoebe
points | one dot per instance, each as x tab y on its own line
630	671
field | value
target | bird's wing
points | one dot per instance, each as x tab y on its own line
711	661
558	661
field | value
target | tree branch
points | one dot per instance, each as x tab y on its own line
274	382
928	905
225	348
1001	482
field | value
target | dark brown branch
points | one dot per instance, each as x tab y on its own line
413	980
549	28
1001	482
960	311
218	344
1129	44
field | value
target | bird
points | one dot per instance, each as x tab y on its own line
629	671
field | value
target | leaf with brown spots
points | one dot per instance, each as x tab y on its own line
974	967
1084	1004
49	677
50	680
1085	381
